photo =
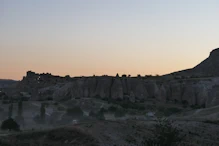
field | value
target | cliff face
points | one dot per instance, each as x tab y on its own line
203	92
193	91
208	67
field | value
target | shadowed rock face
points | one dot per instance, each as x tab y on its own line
208	67
196	91
117	89
203	92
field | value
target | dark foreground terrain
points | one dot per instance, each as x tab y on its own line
109	133
57	137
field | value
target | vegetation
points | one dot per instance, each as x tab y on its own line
119	113
10	124
169	111
185	103
55	137
112	108
5	101
124	75
212	122
75	112
197	106
98	115
129	105
164	134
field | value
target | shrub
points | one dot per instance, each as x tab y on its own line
75	112
216	122
185	103
124	75
130	105
164	134
60	108
55	103
99	115
49	98
119	113
10	124
103	110
170	111
112	108
5	101
196	106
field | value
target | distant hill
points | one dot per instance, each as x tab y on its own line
207	68
6	82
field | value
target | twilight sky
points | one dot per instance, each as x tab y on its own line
86	37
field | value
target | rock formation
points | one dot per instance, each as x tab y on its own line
207	68
202	91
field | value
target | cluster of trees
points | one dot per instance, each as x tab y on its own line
164	134
10	123
14	124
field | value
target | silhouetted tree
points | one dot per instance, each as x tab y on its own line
124	76
97	115
164	134
10	124
75	112
139	75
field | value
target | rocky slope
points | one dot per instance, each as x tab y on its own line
109	133
197	86
209	67
191	91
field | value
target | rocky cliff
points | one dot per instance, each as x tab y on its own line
200	86
192	91
209	67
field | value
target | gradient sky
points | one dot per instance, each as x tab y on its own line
86	37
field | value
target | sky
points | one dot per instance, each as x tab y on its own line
96	37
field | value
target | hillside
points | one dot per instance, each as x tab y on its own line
209	67
5	83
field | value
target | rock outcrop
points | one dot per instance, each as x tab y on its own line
117	89
207	68
203	92
197	86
